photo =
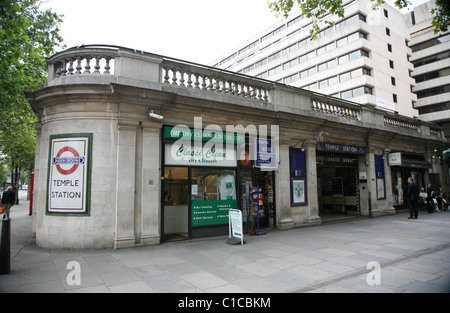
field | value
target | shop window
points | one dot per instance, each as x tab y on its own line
213	193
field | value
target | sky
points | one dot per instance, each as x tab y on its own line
198	31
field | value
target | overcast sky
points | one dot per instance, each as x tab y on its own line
193	30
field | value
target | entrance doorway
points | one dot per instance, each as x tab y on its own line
176	203
338	186
252	177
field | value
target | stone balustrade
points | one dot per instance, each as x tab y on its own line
401	123
108	64
81	61
213	80
342	110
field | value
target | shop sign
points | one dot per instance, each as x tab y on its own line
69	174
177	133
395	159
332	147
211	212
182	153
265	153
235	225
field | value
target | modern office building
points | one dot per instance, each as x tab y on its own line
431	60
363	57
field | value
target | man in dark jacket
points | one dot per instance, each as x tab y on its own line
413	198
8	200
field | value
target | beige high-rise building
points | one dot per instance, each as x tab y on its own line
431	61
363	57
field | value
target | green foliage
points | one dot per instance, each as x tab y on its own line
316	10
27	37
441	16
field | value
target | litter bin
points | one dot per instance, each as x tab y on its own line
5	246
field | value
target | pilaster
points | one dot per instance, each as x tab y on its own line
284	213
311	179
125	186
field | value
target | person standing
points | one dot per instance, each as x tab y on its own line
413	198
430	204
8	199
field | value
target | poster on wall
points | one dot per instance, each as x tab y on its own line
69	173
298	191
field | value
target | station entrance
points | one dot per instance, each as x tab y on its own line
338	185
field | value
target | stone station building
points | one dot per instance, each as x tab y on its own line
106	175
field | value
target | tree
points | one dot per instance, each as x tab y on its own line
318	9
27	37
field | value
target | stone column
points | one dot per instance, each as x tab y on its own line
388	183
125	186
311	185
283	190
151	186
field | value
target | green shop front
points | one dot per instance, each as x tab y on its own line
203	178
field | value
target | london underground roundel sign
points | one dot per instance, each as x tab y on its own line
73	161
68	189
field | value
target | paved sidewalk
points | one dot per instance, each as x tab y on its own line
414	256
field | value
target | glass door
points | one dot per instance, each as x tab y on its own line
176	203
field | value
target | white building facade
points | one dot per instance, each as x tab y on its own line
363	57
431	60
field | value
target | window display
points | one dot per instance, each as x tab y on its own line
213	193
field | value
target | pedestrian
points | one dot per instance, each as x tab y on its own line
430	204
413	198
442	199
8	200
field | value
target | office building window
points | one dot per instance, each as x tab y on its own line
386	13
394	98
391	64
290	64
291	79
275	70
393	81
389	46
388	31
356	92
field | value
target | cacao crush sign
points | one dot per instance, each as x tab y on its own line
68	186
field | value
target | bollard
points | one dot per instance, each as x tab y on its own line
5	247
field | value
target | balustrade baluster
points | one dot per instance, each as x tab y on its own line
182	79
70	69
107	67
197	83
210	85
97	65
87	67
63	68
78	68
203	82
58	69
189	82
174	77
217	85
166	75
